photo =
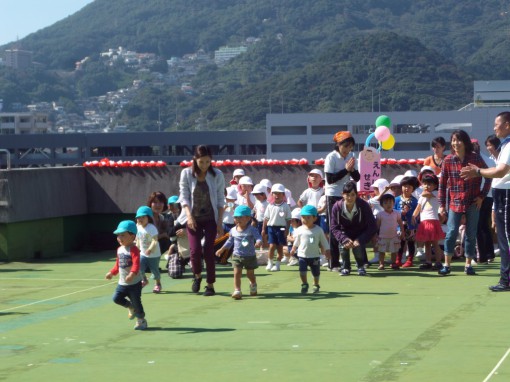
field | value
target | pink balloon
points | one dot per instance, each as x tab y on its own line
382	133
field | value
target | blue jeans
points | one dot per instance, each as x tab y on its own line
134	297
453	224
359	255
502	210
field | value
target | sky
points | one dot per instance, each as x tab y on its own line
19	18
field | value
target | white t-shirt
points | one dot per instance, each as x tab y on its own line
503	157
260	209
277	214
333	164
308	241
145	236
429	208
321	204
311	196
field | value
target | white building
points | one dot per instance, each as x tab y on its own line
24	123
226	53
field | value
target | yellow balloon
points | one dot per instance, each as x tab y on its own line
388	143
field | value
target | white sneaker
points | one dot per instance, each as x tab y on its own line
285	260
276	267
293	262
141	324
419	253
237	295
269	265
323	260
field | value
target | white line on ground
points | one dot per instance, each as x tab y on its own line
497	366
57	297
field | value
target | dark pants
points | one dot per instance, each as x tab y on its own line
208	231
484	232
502	210
334	262
359	255
134	298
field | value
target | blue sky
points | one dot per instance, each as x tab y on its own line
19	18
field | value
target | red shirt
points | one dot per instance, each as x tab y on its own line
461	193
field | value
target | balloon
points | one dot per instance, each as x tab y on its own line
382	133
389	143
383	120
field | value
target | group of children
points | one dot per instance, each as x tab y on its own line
260	216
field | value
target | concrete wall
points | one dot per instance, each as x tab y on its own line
46	212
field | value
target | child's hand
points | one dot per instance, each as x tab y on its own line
413	220
219	252
258	244
355	243
108	276
327	254
130	277
148	251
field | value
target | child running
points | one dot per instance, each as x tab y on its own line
389	239
147	241
245	238
127	265
429	229
309	243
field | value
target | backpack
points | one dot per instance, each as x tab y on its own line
175	266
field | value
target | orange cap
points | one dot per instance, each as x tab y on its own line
341	136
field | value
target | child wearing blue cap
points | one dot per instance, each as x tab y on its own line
127	265
309	243
245	238
147	241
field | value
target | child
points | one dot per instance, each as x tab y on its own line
406	204
276	220
425	170
295	223
230	206
309	243
147	241
127	266
389	239
245	238
429	230
244	196
378	188
314	191
259	191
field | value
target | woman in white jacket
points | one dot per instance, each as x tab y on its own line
202	190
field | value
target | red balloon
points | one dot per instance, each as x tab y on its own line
303	161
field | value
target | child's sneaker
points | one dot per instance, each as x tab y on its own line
419	253
285	260
304	288
408	264
345	272
316	289
144	282
157	288
276	267
398	263
269	265
395	266
437	266
444	271
253	289
362	272
131	312
470	271
237	295
380	267
141	324
293	261
425	266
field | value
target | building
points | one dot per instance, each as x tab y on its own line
24	123
18	59
226	53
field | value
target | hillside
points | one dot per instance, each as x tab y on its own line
438	47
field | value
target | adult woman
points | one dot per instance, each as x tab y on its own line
157	203
465	197
340	167
435	161
353	226
201	188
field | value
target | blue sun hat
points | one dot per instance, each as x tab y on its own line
242	211
126	226
144	211
173	199
308	210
